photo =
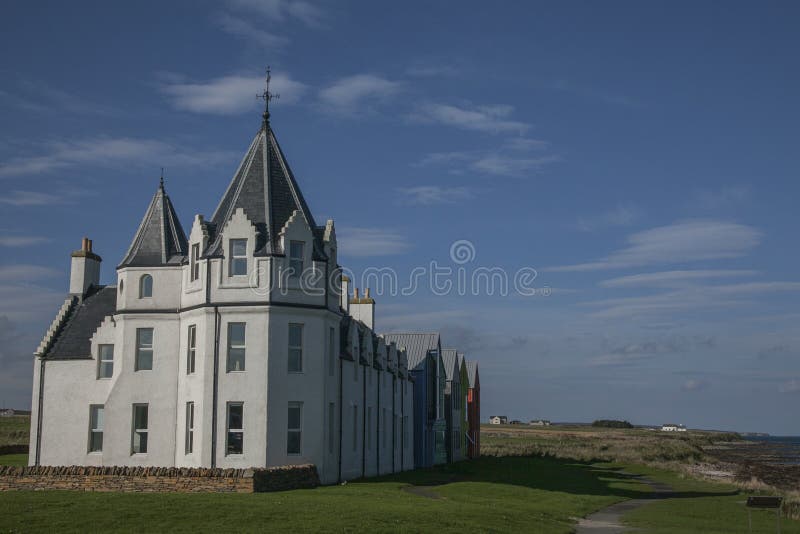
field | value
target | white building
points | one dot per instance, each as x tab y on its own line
498	420
233	347
671	427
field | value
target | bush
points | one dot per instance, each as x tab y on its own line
612	423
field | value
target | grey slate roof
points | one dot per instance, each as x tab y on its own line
450	359
265	188
160	239
472	372
74	340
417	346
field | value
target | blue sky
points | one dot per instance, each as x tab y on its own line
642	157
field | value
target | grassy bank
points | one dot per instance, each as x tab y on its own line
15	430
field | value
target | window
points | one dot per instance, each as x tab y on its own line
238	265
145	286
105	361
139	437
331	425
331	351
191	349
96	413
355	428
189	427
405	431
194	266
235	435
236	346
395	430
144	349
355	367
295	348
296	258
294	428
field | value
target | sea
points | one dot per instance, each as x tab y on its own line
785	450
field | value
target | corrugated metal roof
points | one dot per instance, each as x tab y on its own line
450	358
417	345
472	372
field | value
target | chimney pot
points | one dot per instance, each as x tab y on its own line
90	245
355	293
85	244
366	293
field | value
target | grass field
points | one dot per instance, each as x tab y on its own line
523	487
14	430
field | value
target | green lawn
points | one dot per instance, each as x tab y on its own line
491	494
14	459
15	430
692	511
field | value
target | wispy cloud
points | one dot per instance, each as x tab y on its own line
595	94
22	241
227	95
26	273
792	386
365	242
515	157
634	352
618	216
249	32
727	196
426	195
104	152
673	278
358	93
493	119
695	384
31	198
282	10
432	70
681	242
693	299
44	98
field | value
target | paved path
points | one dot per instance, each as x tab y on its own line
607	520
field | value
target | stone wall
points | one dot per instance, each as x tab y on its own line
158	479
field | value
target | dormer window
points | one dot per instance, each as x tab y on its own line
194	265
145	286
296	249
238	265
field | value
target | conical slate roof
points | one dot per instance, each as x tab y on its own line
160	239
265	188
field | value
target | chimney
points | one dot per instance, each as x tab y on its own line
344	298
363	309
85	270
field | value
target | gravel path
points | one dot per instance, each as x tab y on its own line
607	520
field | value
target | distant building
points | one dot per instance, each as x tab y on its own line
539	422
8	412
516	422
671	427
498	420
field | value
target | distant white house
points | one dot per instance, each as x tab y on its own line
498	420
6	412
671	427
539	422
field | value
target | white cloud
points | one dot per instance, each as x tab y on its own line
31	198
280	10
105	152
355	93
487	119
618	216
247	31
229	95
515	157
21	241
695	384
685	241
26	273
425	195
720	198
792	386
673	278
364	242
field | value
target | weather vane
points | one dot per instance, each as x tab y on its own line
267	95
